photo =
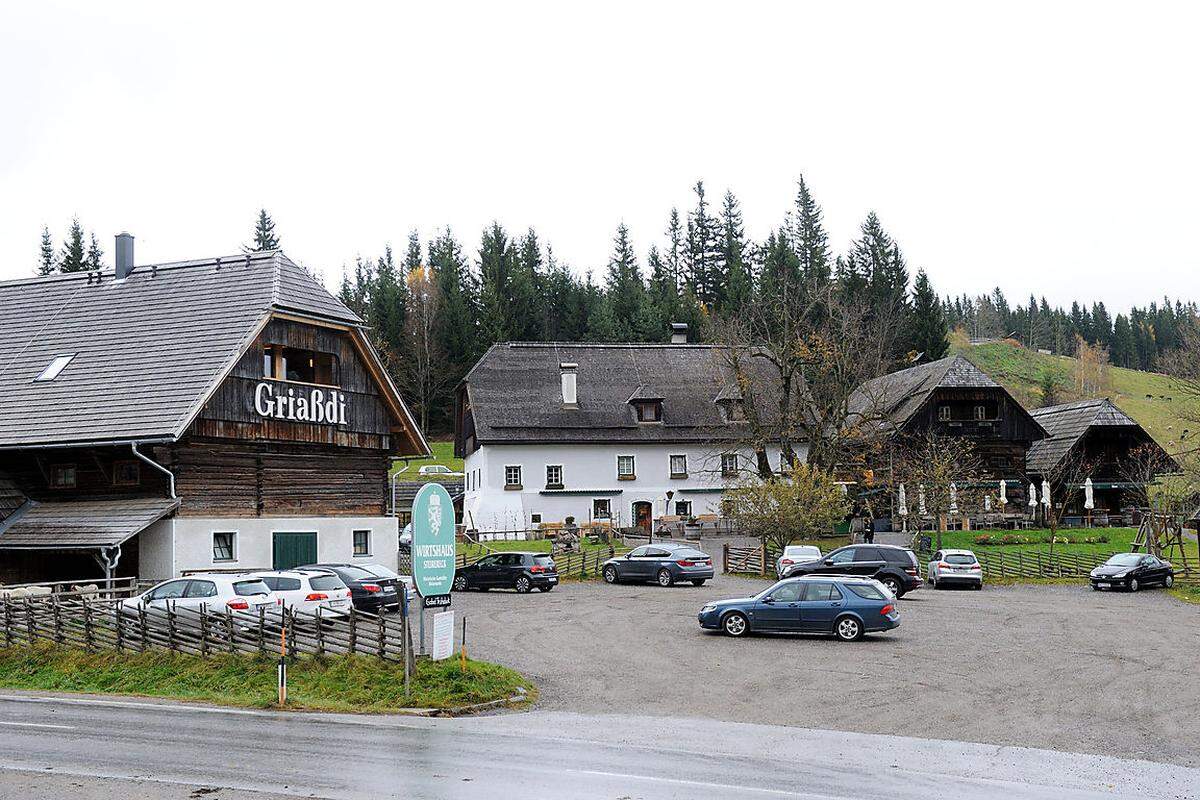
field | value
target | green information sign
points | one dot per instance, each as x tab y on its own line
433	547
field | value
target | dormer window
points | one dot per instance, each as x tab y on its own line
648	410
735	411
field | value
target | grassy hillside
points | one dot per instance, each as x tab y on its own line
443	453
1148	397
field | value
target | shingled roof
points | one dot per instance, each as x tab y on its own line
147	350
515	393
898	396
81	524
1067	424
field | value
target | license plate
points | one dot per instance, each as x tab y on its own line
340	603
389	590
1103	585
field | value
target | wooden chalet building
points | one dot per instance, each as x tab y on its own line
952	397
1095	439
219	413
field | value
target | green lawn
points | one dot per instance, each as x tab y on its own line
331	683
1148	397
1119	540
535	546
443	453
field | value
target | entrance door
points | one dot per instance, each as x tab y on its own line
290	550
642	514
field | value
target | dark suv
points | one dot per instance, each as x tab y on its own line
520	571
894	567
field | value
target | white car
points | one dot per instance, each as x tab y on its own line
438	470
955	567
796	554
308	591
212	591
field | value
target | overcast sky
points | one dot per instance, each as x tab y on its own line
1041	147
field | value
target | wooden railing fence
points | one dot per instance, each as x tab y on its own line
108	625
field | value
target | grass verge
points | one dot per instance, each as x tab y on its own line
1188	594
331	683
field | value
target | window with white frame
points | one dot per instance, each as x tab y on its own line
981	412
625	467
679	466
944	413
224	546
512	475
729	465
683	508
554	476
62	476
362	543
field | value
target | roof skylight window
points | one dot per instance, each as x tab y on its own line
56	366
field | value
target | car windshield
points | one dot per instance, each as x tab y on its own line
689	554
792	551
248	588
544	561
866	591
1124	560
959	558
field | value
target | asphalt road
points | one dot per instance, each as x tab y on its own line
1057	667
84	747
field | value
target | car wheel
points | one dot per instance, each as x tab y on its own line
698	582
979	586
1133	584
735	624
610	574
665	578
892	583
523	585
932	582
460	583
848	629
1169	581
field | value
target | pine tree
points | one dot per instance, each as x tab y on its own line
624	292
733	270
673	255
95	256
1101	325
412	254
387	306
928	330
1123	348
701	251
264	237
46	264
809	239
73	258
495	273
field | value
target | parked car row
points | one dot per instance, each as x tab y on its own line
330	588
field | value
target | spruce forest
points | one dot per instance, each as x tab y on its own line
438	306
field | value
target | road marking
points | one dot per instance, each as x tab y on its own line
38	725
725	787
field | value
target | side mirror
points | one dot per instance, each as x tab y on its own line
769	600
829	562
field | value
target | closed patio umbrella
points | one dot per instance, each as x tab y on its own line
902	501
953	498
1032	495
987	503
921	499
1089	498
1045	493
1003	494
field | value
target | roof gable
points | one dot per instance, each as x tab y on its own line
148	350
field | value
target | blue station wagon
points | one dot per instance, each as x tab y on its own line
844	607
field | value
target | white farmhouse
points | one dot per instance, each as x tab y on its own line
620	433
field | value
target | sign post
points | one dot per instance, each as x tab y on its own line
433	548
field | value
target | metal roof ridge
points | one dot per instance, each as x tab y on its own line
66	277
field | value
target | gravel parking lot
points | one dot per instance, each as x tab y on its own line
1057	667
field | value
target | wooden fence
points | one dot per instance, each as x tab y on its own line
108	625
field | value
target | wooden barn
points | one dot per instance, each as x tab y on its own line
218	413
1095	439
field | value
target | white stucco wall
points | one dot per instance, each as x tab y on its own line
164	555
489	506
